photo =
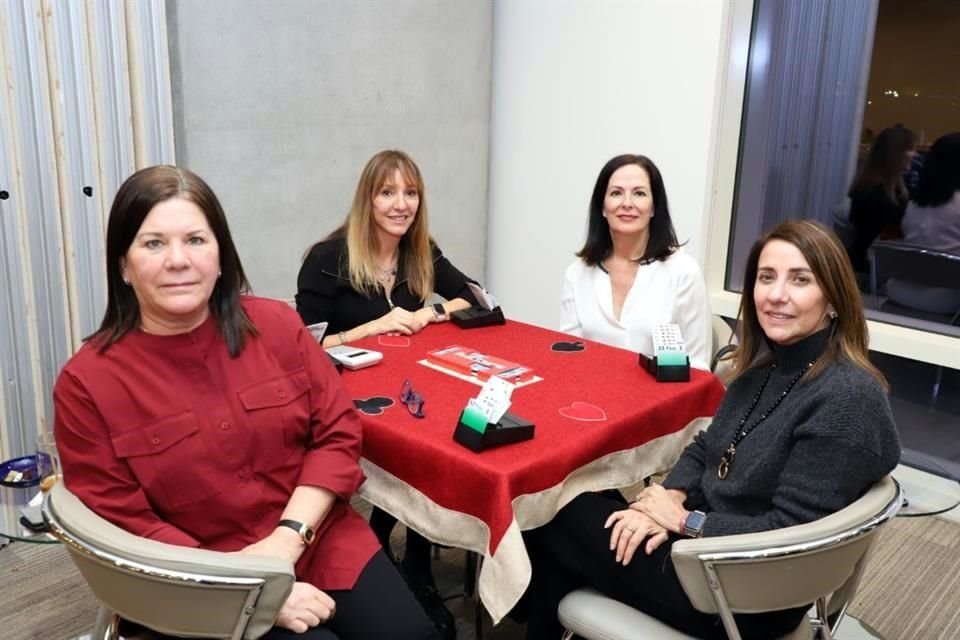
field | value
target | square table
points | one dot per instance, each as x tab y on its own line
601	421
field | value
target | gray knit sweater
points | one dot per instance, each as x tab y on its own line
827	442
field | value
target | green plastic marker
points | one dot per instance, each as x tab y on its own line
671	358
474	419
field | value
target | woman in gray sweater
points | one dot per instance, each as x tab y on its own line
802	432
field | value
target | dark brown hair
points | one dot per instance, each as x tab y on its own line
663	239
940	176
137	196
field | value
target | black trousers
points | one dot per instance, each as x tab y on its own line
380	605
573	551
416	556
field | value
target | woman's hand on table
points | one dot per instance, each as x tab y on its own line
629	528
282	543
663	506
305	608
425	316
397	321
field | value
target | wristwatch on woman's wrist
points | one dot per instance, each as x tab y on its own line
439	313
306	531
692	525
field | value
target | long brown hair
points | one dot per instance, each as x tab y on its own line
884	165
834	275
415	253
137	196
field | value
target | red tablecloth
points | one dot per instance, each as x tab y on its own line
439	476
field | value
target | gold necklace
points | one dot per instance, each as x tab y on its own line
385	275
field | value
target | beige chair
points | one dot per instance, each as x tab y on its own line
172	590
819	562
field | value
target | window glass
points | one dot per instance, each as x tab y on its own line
848	98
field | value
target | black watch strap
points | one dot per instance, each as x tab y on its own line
306	531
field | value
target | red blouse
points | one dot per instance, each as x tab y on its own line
172	439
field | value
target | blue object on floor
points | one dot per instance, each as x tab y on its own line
27	465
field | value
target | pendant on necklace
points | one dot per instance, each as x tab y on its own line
725	461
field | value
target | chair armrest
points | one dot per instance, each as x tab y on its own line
863	516
76	520
92	538
590	614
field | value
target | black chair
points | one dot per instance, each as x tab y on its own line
918	267
914	265
724	344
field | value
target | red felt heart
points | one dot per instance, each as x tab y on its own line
393	341
583	411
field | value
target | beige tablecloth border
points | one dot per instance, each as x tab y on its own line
504	576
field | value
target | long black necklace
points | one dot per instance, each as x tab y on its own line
727	458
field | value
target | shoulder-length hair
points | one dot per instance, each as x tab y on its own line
834	275
663	238
137	196
415	259
884	165
940	176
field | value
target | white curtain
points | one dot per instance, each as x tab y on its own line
84	101
806	83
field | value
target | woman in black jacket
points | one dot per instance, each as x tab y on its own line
803	431
374	275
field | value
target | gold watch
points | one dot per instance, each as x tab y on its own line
306	531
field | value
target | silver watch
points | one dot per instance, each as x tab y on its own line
693	524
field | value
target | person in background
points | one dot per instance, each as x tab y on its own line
803	431
878	195
932	221
374	275
631	273
201	417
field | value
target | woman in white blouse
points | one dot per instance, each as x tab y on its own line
631	273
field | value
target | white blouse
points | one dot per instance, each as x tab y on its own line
668	291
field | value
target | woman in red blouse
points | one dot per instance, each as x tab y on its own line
201	417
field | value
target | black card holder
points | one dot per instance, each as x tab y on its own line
511	428
667	372
476	316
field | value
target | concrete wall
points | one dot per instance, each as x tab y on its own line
576	83
278	104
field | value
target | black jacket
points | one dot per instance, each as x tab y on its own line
872	212
324	293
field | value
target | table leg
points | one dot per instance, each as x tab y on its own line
472	566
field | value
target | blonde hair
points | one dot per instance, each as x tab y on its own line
834	275
415	251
